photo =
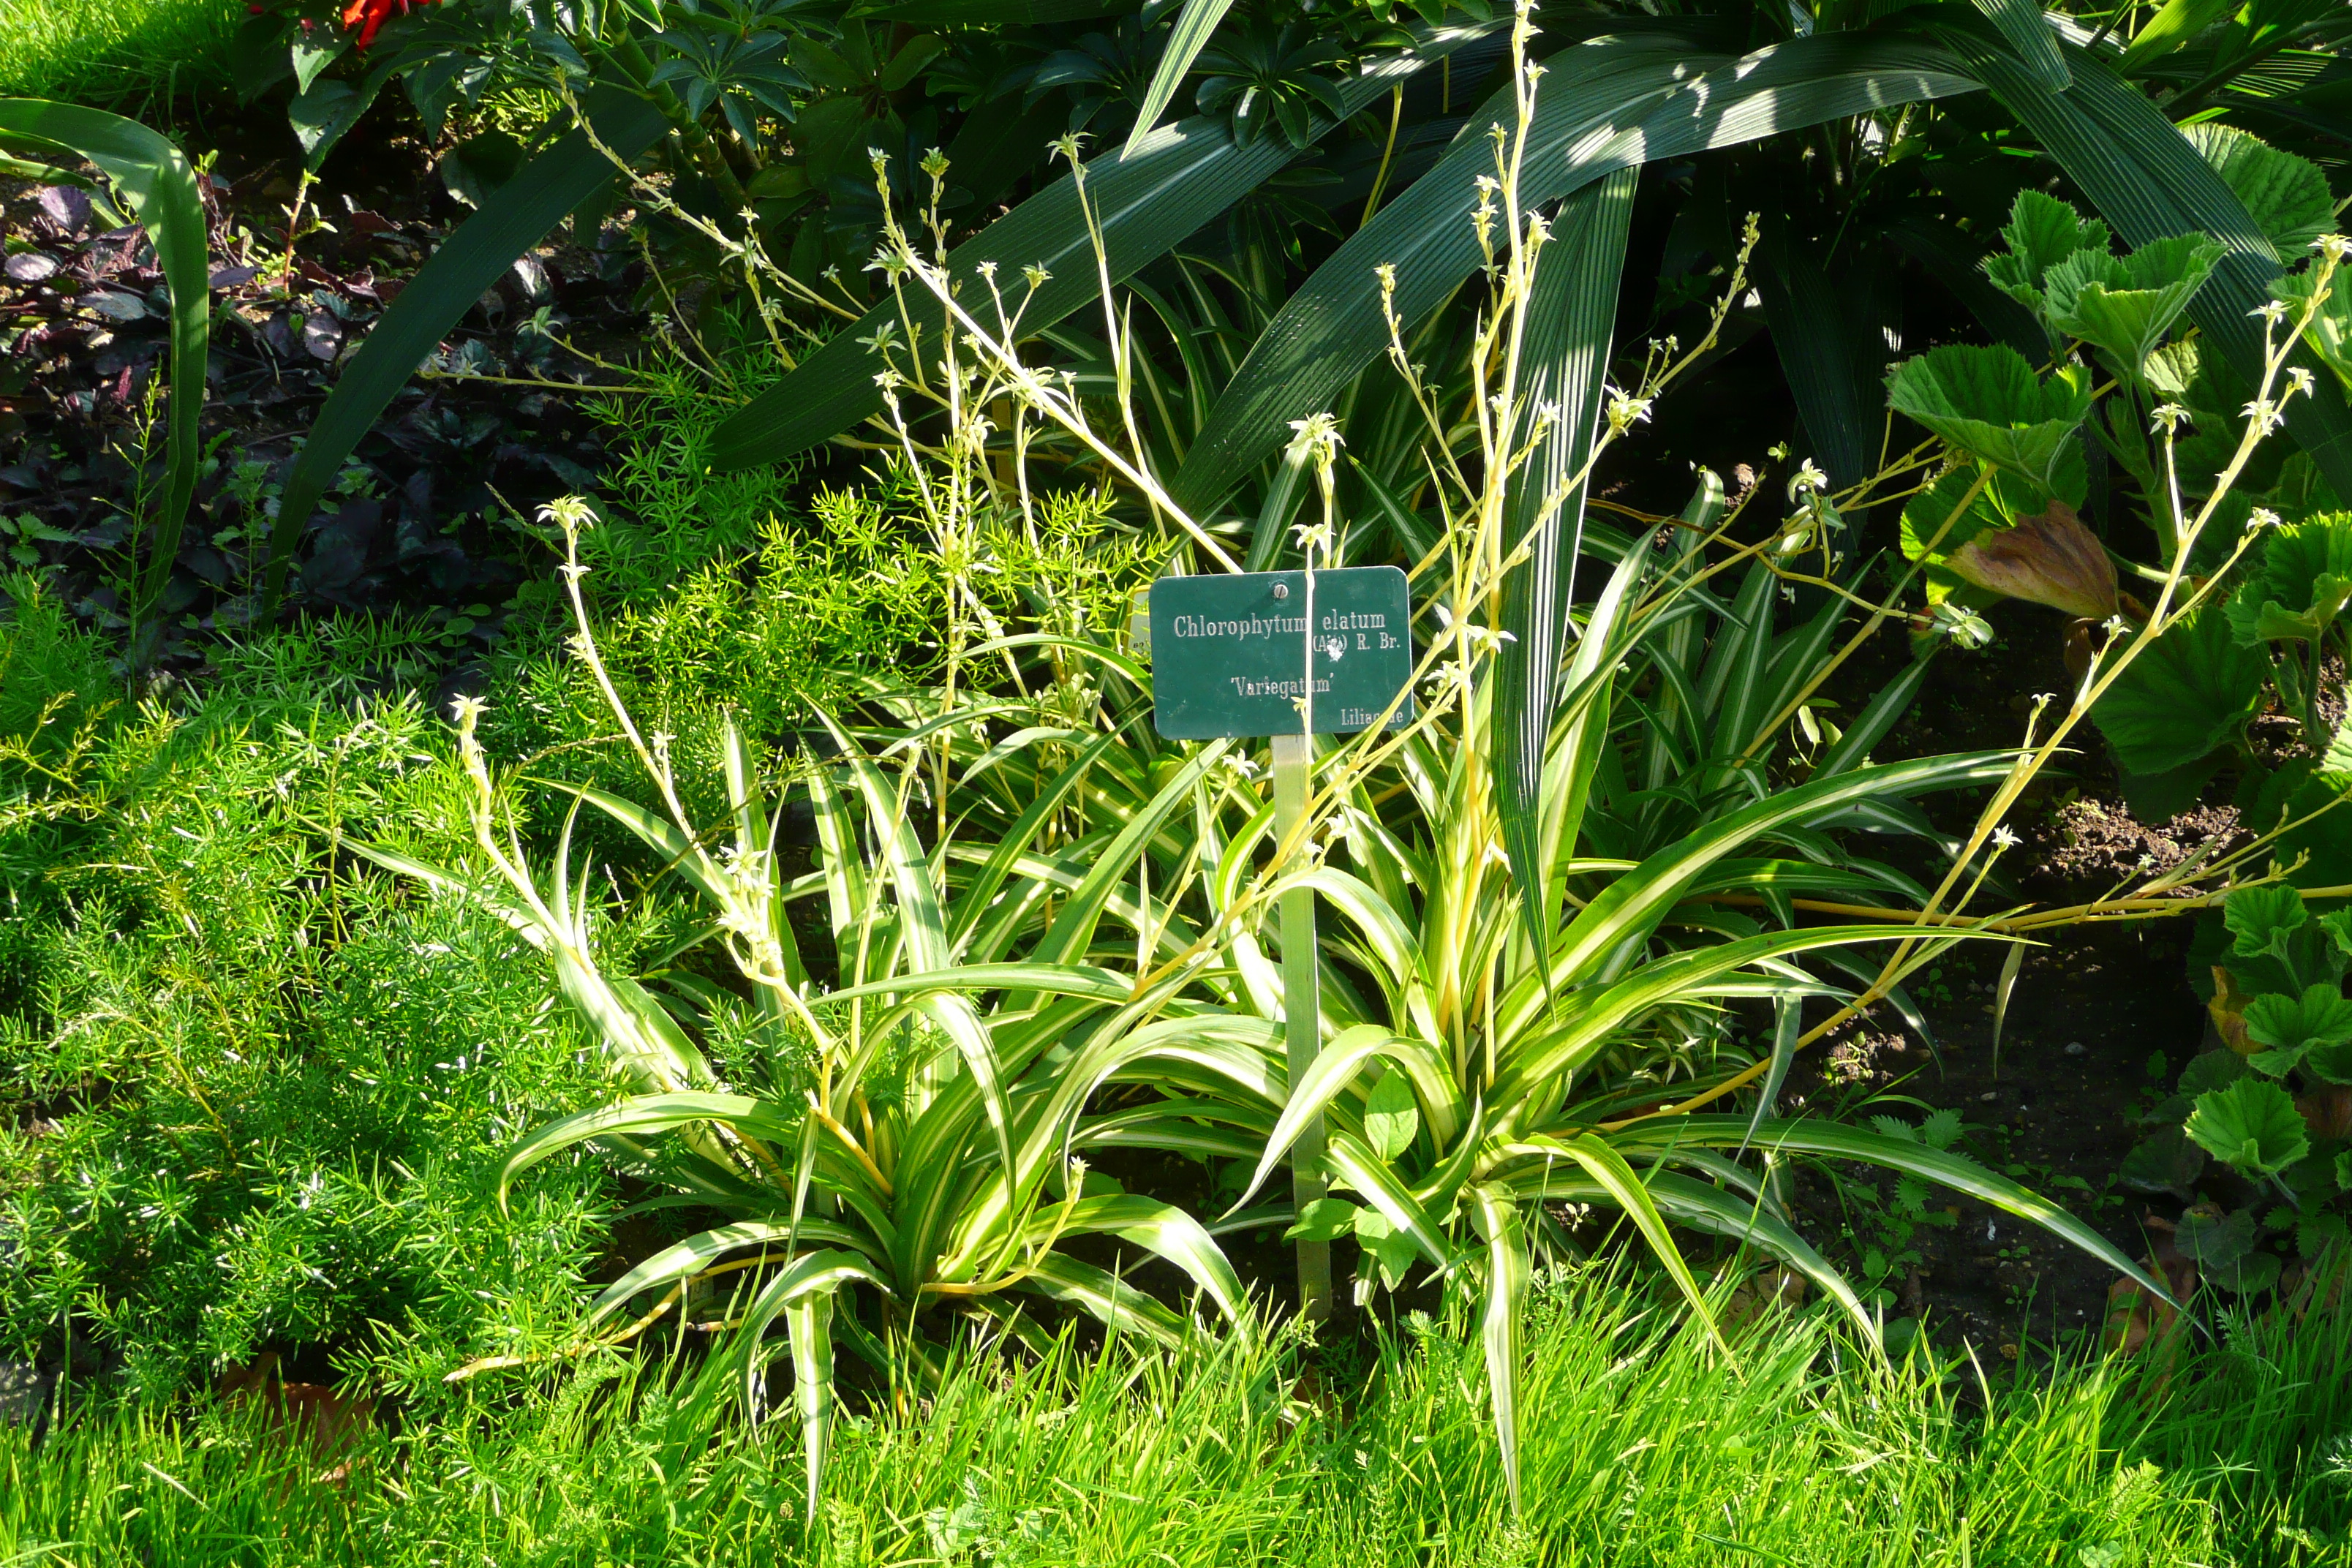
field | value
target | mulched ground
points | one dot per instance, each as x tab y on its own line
417	526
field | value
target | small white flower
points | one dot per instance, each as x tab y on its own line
1625	410
2002	838
1807	480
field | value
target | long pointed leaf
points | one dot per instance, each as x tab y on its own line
1954	1170
1193	29
1145	200
1572	315
1607	104
1508	1275
1171	1234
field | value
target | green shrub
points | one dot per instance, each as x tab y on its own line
247	1098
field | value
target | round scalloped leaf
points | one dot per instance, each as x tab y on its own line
2185	696
1987	402
2303	584
2294	1025
2254	1272
2042	231
2330	1063
2165	1163
2214	1239
2252	1124
2287	196
2126	305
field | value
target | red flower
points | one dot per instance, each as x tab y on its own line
367	16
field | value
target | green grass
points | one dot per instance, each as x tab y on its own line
118	53
1641	1447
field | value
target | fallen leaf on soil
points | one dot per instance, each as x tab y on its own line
309	1413
2136	1318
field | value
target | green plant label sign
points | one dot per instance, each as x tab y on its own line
1230	652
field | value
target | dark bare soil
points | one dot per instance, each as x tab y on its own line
2099	1015
419	525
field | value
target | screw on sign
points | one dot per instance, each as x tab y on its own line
1289	654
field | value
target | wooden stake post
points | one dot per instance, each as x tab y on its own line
1273	653
1302	1015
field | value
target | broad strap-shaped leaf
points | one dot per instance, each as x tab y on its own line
1351	1159
468	262
1167	1231
1609	103
685	1259
1144	200
152	177
1571	315
641	1115
1594	1019
802	1293
1336	1067
1194	27
1633	903
2175	24
2030	34
1603	1163
923	928
1701	1206
1827	1140
1120	1306
1500	1318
